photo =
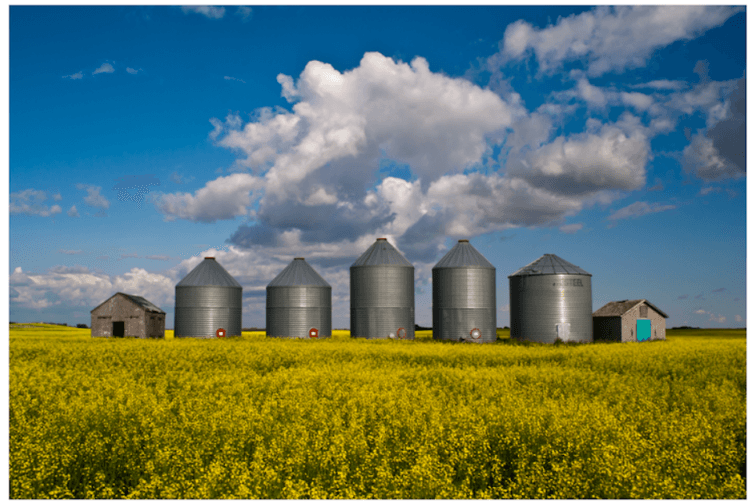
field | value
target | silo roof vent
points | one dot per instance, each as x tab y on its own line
382	253
463	255
209	273
549	264
299	273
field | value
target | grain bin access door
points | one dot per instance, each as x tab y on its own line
118	329
563	331
643	328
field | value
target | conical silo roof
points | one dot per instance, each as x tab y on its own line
209	273
299	273
463	255
382	253
549	264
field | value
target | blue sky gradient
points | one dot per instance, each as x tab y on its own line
145	138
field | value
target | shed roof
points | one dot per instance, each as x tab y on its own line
209	273
620	307
549	264
140	301
463	255
382	253
299	273
148	306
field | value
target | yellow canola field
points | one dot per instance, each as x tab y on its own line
254	417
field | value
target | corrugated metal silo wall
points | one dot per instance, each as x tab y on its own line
463	299
538	303
382	301
291	311
201	310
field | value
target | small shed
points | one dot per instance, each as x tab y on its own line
629	321
124	315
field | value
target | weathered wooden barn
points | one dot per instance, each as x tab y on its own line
629	321
124	315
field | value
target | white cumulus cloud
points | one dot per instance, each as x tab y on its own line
323	159
29	202
661	85
403	111
244	12
610	38
708	190
639	101
639	209
718	318
157	288
392	149
571	228
463	206
719	151
93	197
701	98
77	286
73	212
222	199
592	95
105	68
210	11
703	159
604	157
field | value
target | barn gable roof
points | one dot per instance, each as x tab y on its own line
148	306
620	307
140	301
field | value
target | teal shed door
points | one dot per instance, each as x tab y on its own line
643	328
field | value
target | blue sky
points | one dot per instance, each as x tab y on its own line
144	138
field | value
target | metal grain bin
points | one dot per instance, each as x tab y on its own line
208	301
381	285
298	303
463	296
550	299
